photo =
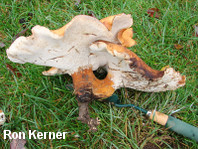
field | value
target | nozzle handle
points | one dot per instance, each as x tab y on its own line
174	124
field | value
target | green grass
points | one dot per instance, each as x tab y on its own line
36	102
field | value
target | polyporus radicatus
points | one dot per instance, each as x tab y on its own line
85	44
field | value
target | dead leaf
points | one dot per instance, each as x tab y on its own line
2	35
178	46
2	45
22	21
21	33
17	143
196	30
13	70
30	16
91	13
153	12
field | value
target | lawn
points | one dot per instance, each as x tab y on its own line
32	101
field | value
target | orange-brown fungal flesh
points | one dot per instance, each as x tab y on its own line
135	61
183	80
60	31
125	37
51	69
108	21
85	81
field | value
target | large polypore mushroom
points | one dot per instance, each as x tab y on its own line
85	44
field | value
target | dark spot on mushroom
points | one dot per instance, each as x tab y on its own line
71	48
120	62
114	64
89	34
85	94
144	69
86	77
57	57
49	50
77	50
166	85
40	58
134	62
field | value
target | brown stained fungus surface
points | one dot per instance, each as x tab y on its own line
88	87
136	62
86	44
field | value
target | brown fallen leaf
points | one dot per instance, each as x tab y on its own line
178	46
17	143
21	33
13	70
153	12
23	21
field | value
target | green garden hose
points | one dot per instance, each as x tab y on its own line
169	122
